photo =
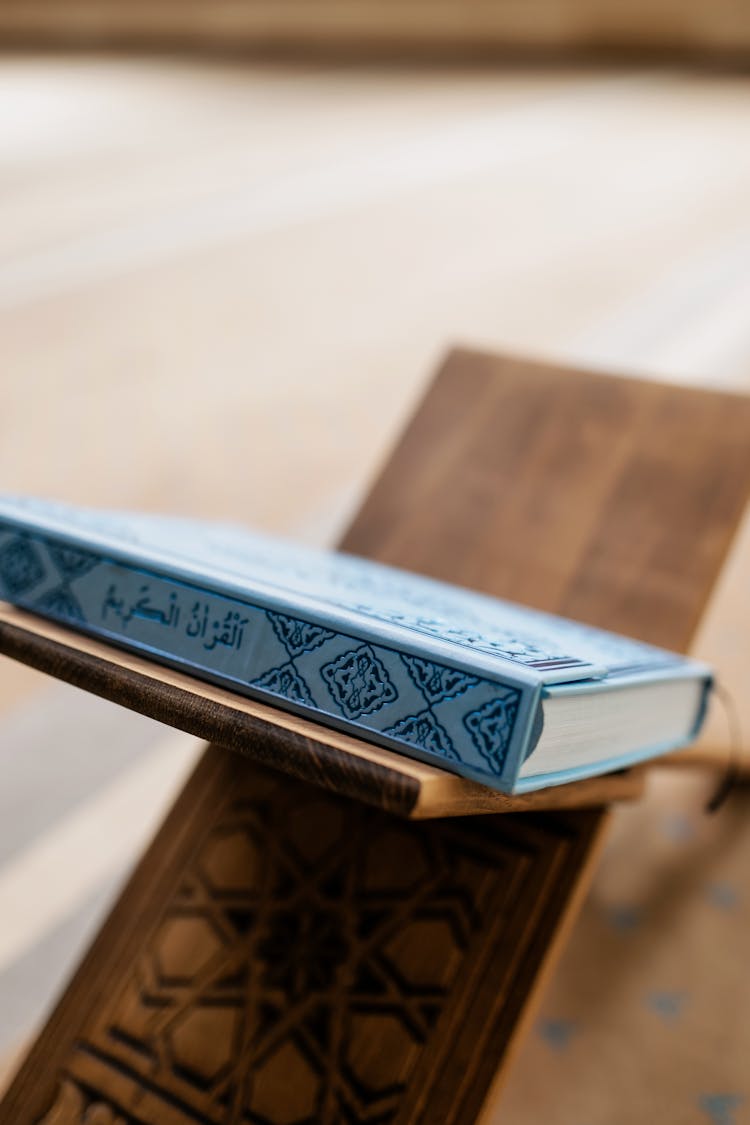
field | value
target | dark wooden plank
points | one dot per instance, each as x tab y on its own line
295	957
606	499
285	955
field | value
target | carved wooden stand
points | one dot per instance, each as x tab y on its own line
285	954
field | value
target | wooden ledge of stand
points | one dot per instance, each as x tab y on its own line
307	750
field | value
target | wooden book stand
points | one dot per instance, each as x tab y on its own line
289	953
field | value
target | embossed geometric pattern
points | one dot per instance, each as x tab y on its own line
60	602
20	565
301	966
72	562
425	731
287	683
491	726
511	647
435	681
359	682
298	636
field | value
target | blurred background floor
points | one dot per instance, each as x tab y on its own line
222	289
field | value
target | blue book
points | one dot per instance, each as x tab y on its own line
504	694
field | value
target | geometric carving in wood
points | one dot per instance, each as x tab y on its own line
310	957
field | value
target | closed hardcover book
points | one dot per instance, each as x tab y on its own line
504	694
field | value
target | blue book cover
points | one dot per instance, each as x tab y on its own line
502	693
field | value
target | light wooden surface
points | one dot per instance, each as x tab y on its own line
166	227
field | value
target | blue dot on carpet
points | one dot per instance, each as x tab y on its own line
719	1108
558	1033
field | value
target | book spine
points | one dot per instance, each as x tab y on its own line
468	723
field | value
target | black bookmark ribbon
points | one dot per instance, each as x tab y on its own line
733	772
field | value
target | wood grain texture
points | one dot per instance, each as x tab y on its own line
412	27
285	955
610	500
300	747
